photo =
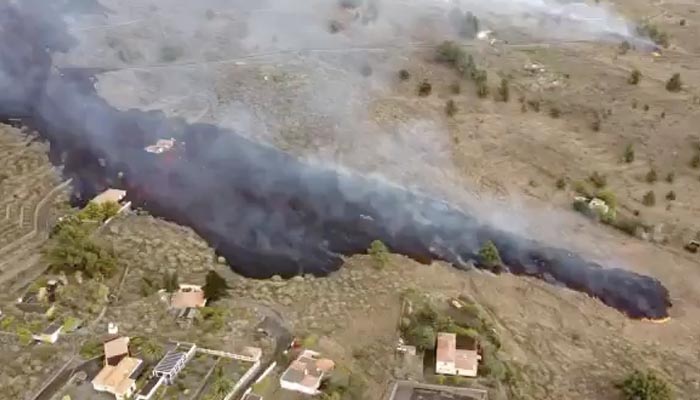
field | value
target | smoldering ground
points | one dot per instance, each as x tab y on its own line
264	210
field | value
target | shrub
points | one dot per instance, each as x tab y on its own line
695	161
651	176
561	183
681	22
455	88
671	196
450	108
425	88
482	90
598	180
379	253
625	46
629	153
656	35
470	26
450	52
489	256
534	105
646	107
670	177
404	75
635	77
215	287
504	91
595	124
73	249
554	112
649	199
644	386
674	83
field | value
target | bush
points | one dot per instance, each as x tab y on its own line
629	153
635	77
73	249
425	88
404	75
695	161
649	199
482	89
534	105
651	176
215	287
450	108
503	91
561	183
674	83
455	88
598	180
450	53
469	26
625	46
489	256
656	35
671	196
644	386
595	124
379	253
670	177
554	112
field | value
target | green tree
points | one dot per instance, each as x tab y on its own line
421	336
450	108
635	77
649	199
644	386
212	318
222	385
379	253
489	256
629	153
72	249
652	176
215	287
504	91
674	83
171	281
147	348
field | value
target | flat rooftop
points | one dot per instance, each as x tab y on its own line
415	391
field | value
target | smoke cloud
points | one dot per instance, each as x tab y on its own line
263	209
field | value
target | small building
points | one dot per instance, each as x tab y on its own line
50	334
161	146
110	196
116	349
150	388
306	373
451	359
120	379
172	363
188	296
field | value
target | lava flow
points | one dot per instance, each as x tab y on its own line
265	211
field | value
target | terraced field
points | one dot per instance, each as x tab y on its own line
32	197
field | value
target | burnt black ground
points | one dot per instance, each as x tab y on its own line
262	209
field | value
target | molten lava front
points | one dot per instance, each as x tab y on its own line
265	211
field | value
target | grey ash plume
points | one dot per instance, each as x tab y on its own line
265	211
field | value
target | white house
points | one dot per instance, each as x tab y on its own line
50	334
306	372
449	360
120	379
